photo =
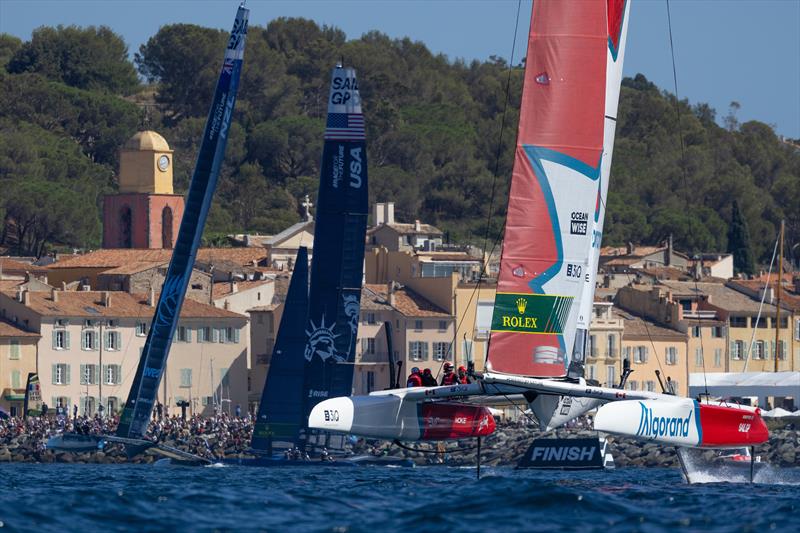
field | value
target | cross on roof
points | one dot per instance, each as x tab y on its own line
307	204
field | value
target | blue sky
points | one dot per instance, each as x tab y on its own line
726	50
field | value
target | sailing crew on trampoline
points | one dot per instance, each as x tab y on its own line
415	379
463	378
427	378
449	377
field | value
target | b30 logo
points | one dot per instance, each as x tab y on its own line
331	415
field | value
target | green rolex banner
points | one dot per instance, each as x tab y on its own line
530	313
33	396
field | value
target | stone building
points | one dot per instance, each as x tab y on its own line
145	213
90	342
17	360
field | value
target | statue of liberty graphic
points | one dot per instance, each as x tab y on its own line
322	338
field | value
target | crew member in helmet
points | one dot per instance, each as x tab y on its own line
427	378
463	378
415	379
449	377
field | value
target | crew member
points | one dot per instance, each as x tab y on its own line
463	378
427	378
449	377
415	379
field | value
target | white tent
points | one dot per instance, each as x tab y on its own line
743	384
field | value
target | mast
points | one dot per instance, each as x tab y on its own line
337	267
139	405
778	303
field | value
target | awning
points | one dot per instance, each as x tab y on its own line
14	395
762	384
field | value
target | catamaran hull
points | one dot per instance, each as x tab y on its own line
683	422
390	417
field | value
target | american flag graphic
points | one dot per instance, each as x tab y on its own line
345	127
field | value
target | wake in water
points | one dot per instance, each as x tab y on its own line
700	469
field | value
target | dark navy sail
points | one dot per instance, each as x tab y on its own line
339	234
280	414
143	392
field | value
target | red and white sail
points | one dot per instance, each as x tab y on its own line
559	184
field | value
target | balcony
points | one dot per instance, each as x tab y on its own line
700	314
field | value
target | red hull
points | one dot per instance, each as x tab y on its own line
731	426
443	421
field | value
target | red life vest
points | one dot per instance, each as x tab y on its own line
450	379
414	380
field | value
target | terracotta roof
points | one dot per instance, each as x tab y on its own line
262	308
10	284
409	303
636	327
136	267
223	288
115	258
754	286
410	229
373	298
440	256
8	329
625	260
667	272
721	296
10	265
87	304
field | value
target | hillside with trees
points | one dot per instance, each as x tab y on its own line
70	97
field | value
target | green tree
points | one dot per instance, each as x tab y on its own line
185	60
87	58
8	47
739	242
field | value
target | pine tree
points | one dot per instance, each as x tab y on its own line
739	242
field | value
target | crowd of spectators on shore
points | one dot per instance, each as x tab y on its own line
208	436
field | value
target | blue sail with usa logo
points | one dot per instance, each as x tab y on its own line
139	405
339	234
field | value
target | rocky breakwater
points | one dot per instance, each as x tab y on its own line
504	448
510	442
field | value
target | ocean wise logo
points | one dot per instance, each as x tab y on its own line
530	313
653	427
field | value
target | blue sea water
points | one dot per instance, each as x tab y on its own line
82	497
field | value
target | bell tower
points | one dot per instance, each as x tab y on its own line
145	213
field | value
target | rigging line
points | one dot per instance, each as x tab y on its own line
760	308
649	337
517	407
687	197
485	262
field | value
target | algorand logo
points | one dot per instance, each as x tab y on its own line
662	426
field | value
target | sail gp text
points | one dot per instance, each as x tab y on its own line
344	90
355	167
